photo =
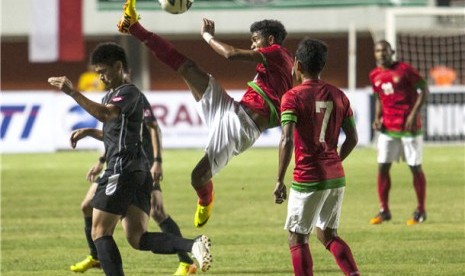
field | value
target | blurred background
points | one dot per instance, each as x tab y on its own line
43	38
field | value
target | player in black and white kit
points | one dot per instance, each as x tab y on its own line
124	190
152	145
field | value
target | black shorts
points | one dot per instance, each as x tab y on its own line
115	193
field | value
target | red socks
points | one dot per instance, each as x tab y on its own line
160	47
419	182
343	255
384	185
301	260
205	193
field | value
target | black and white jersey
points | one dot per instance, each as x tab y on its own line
122	136
149	117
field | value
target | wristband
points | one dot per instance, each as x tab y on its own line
207	37
157	159
101	159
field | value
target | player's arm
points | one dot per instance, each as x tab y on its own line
155	135
95	170
351	139
286	146
101	112
81	133
227	51
410	123
377	124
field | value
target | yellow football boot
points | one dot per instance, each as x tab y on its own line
86	264
129	17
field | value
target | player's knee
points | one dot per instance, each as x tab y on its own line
134	241
295	239
325	236
158	214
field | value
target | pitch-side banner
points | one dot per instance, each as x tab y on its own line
43	121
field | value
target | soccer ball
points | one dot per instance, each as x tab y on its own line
176	6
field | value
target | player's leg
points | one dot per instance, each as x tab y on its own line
196	79
90	261
326	230
168	225
339	249
389	150
103	226
413	151
302	261
135	227
302	211
201	180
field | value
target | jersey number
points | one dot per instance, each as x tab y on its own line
328	107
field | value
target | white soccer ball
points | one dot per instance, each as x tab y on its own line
176	6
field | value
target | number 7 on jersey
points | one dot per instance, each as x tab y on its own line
328	107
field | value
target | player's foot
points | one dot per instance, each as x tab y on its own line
381	217
86	264
202	214
185	269
418	217
201	252
129	17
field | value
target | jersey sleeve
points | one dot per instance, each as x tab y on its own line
126	99
148	113
414	77
348	114
288	109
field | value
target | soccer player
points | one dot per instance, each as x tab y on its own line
234	126
151	140
312	116
399	95
124	190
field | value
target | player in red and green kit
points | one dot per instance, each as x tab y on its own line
312	116
234	126
400	93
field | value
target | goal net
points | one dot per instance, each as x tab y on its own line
431	39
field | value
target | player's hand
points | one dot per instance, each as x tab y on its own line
377	125
62	83
208	27
94	171
157	172
280	193
410	124
77	135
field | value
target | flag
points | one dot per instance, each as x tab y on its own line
56	31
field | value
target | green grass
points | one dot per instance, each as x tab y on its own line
42	226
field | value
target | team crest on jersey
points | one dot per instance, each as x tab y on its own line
395	79
117	99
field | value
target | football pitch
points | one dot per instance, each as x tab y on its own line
42	225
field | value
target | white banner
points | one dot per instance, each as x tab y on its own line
27	122
43	121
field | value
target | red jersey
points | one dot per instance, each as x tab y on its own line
396	88
319	111
273	77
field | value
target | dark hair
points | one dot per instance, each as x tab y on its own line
385	43
108	53
312	54
270	27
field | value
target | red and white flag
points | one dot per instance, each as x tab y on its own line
56	31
